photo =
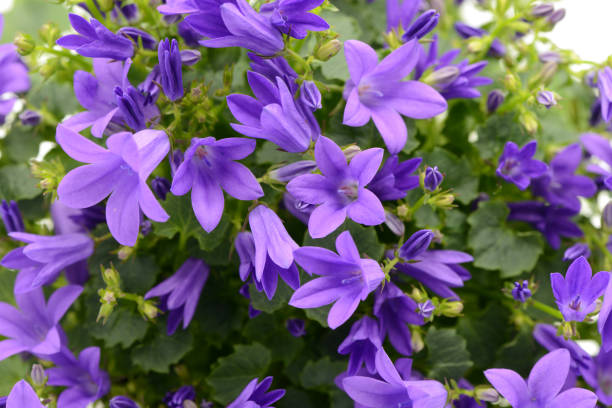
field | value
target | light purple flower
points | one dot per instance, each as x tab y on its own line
604	321
121	401
290	171
346	279
208	169
34	327
377	91
425	309
22	396
180	293
340	190
291	17
604	83
257	395
44	257
599	147
395	178
544	385
576	251
120	171
546	99
96	41
362	343
273	255
517	166
298	208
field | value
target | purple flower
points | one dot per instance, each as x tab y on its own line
68	220
553	222
346	279
208	169
170	69
497	49
85	380
11	217
391	391
139	37
96	41
21	396
517	166
44	257
161	187
30	118
401	12
310	96
576	294
604	83
395	310
542	389
575	251
599	147
120	171
521	291
394	179
494	100
175	399
546	99
291	17
433	178
257	395
273	252
296	327
376	91
34	327
290	171
100	95
425	309
14	76
191	37
180	293
416	244
340	190
422	25
122	402
362	343
271	68
560	186
604	322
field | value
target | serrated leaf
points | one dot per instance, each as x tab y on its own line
318	314
365	238
234	372
495	132
138	274
497	247
261	302
447	354
159	353
16	183
123	327
321	373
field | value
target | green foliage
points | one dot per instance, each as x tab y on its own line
161	351
365	239
448	357
123	328
261	302
321	373
458	174
16	183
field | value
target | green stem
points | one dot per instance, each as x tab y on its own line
546	309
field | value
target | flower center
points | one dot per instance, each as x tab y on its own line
349	190
576	304
510	166
204	155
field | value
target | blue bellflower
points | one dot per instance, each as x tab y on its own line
600	148
521	291
170	69
291	17
517	166
395	178
362	343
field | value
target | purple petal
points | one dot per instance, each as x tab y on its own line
343	309
238	181
391	127
509	384
360	59
355	113
548	375
22	395
575	398
78	147
207	201
321	261
122	212
365	164
367	209
310	188
316	293
397	65
88	185
417	100
325	219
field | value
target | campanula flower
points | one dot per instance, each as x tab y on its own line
494	100
395	310
521	291
310	96
180	293
575	251
257	395
30	118
122	402
604	321
34	326
170	69
517	166
177	398
346	279
340	190
273	251
14	78
21	396
361	343
271	68
422	25
84	379
433	178
11	217
96	41
576	294
560	186
425	309
44	257
416	244
599	147
291	17
546	99
604	83
553	222
130	103
395	178
543	387
208	168
121	171
296	327
392	390
377	91
497	49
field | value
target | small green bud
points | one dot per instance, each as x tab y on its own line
25	43
486	393
511	82
402	210
475	44
416	341
105	311
125	252
451	309
328	50
38	376
417	295
111	278
148	309
49	33
443	200
106	5
529	121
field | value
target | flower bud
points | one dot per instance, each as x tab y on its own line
105	311
529	121
451	309
296	327
148	309
290	171
542	10
433	178
350	151
422	25
11	217
394	223
494	100
511	82
444	75
425	309
122	402
49	32
125	252
576	251
29	118
38	376
161	187
310	95
25	43
416	341
328	50
606	215
556	16
189	404
110	276
549	56
546	99
416	244
485	393
190	57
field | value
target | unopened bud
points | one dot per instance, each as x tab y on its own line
25	43
445	200
451	309
291	171
416	244
328	50
350	151
148	309
542	10
475	44
529	121
444	75
606	215
416	341
105	311
417	295
310	95
487	394
49	33
546	99
511	82
38	376
189	404
402	210
190	57
125	252
111	277
395	224
547	73
494	100
556	16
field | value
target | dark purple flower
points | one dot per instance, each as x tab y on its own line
362	343
96	41
577	292
257	395
422	25
604	83
291	17
346	279
170	69
209	168
340	190
11	217
139	37
416	244
433	178
497	49
120	171
271	68
494	100
130	102
544	385
122	402
546	99
517	166
599	147
177	398
553	222
273	255
395	179
296	327
377	91
560	186
521	291
21	396
425	309
34	327
290	171
160	186
180	293
191	37
395	310
576	251
30	118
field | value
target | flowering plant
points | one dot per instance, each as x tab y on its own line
302	203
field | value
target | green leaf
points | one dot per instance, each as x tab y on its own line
16	183
447	354
138	274
234	372
12	369
348	29
162	351
497	247
123	327
321	373
496	131
519	354
261	302
458	174
21	143
7	281
365	239
270	330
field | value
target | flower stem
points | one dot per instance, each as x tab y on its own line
546	309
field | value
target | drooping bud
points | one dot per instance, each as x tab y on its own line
556	16
148	309
433	178
576	251
161	187
494	100
542	10
25	43
190	57
29	118
290	171
416	244
416	341
38	376
310	95
328	50
487	394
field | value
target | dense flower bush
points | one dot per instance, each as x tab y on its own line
303	203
